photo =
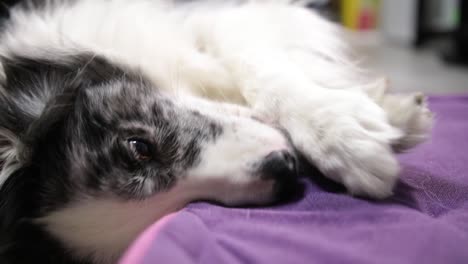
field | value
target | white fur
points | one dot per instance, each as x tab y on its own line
103	228
286	64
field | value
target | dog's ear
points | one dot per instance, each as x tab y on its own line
37	93
30	84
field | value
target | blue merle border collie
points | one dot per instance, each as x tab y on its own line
115	113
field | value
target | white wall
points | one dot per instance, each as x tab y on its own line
398	20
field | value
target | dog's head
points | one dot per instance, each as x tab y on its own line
95	152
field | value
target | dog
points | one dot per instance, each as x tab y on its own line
115	113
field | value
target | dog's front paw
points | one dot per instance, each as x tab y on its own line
348	137
370	169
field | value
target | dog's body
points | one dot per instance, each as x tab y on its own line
104	129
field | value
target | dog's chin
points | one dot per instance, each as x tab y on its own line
269	193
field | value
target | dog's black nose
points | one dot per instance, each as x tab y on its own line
279	164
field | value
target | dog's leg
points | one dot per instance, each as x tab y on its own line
296	75
343	132
210	107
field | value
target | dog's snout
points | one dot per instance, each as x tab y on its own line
279	164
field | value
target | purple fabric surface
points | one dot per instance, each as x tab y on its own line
426	221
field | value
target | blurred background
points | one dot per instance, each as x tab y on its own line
420	45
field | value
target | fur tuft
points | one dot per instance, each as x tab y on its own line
9	155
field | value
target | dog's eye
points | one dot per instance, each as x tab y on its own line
141	148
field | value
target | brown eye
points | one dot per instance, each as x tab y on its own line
141	148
